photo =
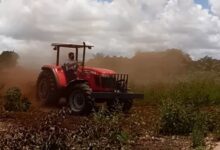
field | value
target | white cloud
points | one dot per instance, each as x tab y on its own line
215	6
120	27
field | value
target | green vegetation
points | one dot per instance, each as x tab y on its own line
175	118
199	130
15	101
8	59
185	91
106	128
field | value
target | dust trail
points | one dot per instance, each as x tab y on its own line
144	68
147	67
20	77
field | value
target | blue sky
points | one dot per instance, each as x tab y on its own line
204	3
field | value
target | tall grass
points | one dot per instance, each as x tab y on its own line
185	105
199	89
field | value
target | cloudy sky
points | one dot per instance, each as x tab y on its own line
115	27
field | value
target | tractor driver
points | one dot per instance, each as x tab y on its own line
71	67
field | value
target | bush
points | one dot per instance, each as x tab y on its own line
178	115
175	118
109	126
199	130
180	105
179	118
213	122
102	131
198	89
15	101
196	93
8	59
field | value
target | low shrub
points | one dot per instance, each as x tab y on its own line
179	118
15	101
198	89
199	130
105	128
195	93
175	118
213	122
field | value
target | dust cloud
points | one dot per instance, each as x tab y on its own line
147	67
20	77
144	68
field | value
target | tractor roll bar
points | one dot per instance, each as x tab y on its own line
84	53
71	45
57	47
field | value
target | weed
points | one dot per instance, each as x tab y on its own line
199	130
175	118
15	101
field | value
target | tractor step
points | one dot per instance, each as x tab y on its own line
112	95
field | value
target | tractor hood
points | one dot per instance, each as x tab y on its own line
99	71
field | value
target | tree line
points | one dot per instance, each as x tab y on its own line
8	59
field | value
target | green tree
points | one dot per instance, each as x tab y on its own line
207	64
8	59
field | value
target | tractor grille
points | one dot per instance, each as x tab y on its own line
116	81
105	82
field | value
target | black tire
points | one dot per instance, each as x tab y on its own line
80	100
119	105
47	91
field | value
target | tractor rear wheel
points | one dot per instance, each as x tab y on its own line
80	100
46	88
119	105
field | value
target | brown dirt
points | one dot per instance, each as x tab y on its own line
33	118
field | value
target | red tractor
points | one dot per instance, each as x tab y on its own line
85	87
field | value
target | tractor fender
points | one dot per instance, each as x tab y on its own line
75	82
59	75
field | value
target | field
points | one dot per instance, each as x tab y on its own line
180	110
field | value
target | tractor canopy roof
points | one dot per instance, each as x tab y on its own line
71	45
57	47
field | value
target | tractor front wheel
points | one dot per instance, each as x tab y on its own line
80	100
